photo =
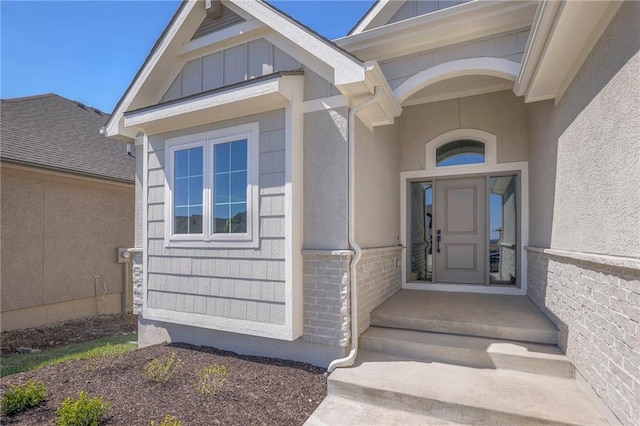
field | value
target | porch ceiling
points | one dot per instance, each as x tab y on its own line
458	87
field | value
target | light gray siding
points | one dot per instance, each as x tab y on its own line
508	46
241	283
413	8
210	25
235	64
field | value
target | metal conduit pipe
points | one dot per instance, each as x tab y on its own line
349	359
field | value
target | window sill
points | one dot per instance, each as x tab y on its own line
213	244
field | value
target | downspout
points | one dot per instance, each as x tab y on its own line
349	359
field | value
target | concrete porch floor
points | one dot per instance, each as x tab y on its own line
484	315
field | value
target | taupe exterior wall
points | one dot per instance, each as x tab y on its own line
325	179
588	151
499	113
59	239
584	157
243	283
377	198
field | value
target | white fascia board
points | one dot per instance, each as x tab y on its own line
227	37
379	15
346	69
468	21
235	102
114	126
566	42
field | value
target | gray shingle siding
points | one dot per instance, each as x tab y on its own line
240	283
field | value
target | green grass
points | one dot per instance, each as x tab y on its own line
98	348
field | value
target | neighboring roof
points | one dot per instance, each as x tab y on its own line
57	133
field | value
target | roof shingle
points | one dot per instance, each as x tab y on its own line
57	133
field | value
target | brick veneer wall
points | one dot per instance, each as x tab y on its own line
595	302
379	276
326	295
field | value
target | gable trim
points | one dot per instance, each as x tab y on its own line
495	67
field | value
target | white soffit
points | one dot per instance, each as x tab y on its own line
251	97
378	15
562	35
465	22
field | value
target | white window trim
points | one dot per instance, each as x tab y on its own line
490	148
208	140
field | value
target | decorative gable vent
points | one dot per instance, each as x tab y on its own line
218	17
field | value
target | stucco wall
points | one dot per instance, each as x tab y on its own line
377	169
59	246
586	196
500	113
325	179
584	158
242	283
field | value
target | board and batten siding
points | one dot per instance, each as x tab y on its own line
233	65
241	283
412	8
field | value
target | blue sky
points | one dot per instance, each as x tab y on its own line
89	51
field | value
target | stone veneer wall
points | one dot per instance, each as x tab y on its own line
379	276
137	269
595	302
326	295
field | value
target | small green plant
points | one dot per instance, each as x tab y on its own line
162	369
211	379
22	397
83	411
168	420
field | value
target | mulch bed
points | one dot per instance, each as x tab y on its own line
257	391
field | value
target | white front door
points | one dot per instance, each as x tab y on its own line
460	230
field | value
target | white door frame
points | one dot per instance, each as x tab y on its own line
521	168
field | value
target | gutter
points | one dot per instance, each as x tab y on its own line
349	359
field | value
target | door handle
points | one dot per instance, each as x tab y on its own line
438	238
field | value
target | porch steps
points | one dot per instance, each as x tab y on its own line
482	315
469	351
435	358
452	394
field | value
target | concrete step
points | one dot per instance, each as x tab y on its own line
477	352
481	315
335	410
460	394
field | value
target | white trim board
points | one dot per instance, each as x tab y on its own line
521	167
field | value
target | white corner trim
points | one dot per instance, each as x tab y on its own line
145	226
489	139
294	212
495	67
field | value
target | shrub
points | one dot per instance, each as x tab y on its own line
168	420
22	397
162	369
83	411
211	379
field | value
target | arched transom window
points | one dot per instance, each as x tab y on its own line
461	147
460	152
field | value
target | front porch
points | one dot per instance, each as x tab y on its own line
457	358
